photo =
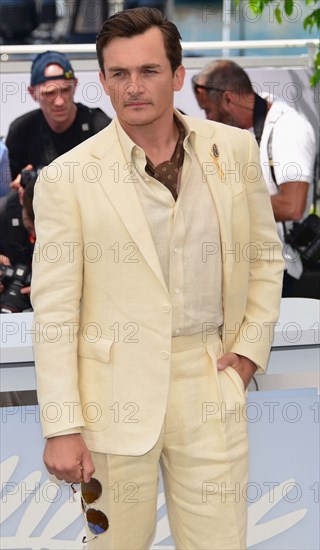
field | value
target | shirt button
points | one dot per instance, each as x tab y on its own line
166	309
176	250
177	331
177	290
164	355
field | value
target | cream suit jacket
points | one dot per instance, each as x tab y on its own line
102	333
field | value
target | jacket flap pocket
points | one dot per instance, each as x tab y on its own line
99	350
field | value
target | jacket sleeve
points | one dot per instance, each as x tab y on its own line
262	257
56	292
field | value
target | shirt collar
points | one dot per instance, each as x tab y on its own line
128	146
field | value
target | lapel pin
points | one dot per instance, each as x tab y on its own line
214	154
215	150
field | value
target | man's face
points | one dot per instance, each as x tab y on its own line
212	103
138	78
220	106
56	98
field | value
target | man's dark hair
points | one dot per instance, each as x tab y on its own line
227	75
132	22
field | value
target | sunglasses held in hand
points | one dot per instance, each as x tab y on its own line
96	520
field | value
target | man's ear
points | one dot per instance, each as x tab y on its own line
32	92
231	98
178	78
227	98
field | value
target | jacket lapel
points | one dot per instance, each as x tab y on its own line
118	185
212	154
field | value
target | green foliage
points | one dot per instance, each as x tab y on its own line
312	20
255	5
277	13
288	7
315	78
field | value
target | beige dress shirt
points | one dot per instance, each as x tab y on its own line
186	237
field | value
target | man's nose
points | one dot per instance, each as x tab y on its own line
135	85
59	98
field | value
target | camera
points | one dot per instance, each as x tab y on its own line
28	176
305	237
13	280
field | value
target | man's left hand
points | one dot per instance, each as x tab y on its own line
243	365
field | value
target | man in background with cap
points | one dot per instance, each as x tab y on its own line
40	136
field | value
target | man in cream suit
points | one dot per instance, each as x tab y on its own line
153	306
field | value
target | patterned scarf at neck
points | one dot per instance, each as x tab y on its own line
167	172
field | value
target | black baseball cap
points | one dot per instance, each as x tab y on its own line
47	58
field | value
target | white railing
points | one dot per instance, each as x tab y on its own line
310	44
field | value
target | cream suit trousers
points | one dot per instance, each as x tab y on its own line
202	450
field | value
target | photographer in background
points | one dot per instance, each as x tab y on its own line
15	241
287	145
40	136
34	140
17	238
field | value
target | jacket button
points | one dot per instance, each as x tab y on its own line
166	309
164	355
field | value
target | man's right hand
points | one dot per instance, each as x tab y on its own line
68	458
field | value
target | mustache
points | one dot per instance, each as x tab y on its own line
137	99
